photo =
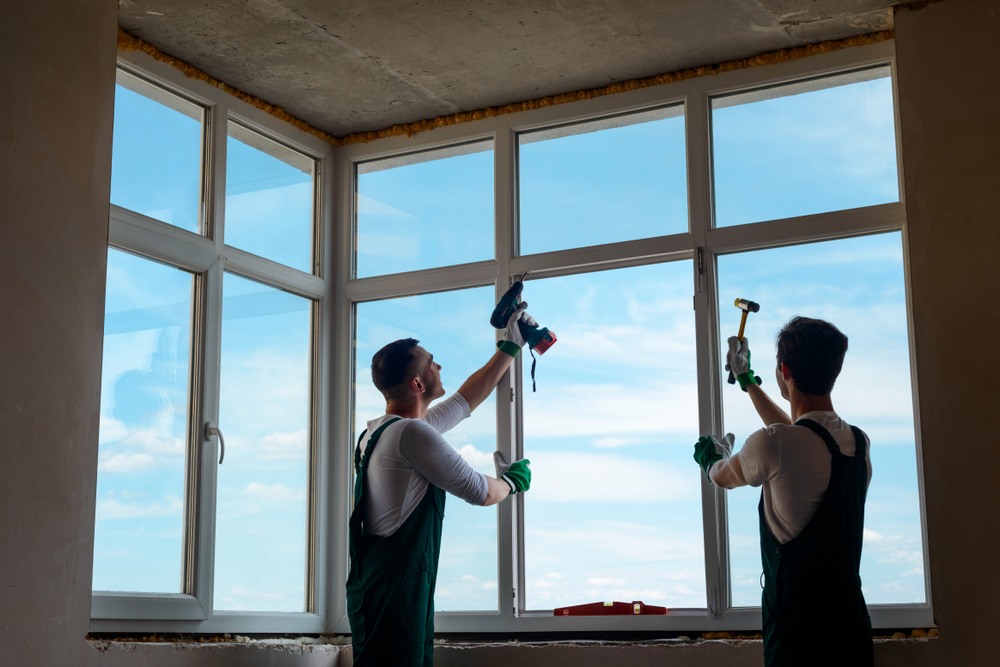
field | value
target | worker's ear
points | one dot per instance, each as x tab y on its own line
786	374
417	385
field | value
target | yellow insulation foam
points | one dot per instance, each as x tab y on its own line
127	42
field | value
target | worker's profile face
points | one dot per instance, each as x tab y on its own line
430	374
782	385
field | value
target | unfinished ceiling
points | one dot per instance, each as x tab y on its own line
365	65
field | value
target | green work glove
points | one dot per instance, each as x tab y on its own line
516	474
710	449
738	361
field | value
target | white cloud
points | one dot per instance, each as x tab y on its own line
274	492
142	450
127	463
111	429
605	581
872	536
477	459
611	443
580	477
915	572
611	410
111	509
284	445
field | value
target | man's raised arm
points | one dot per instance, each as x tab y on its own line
739	362
481	384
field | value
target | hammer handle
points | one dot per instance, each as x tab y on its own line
743	324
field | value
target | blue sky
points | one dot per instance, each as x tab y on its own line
614	511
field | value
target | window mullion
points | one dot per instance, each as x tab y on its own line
202	562
509	554
699	171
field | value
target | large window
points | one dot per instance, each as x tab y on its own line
208	481
635	220
635	231
615	509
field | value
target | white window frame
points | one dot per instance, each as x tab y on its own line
206	256
702	243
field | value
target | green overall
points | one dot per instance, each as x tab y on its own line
813	610
390	587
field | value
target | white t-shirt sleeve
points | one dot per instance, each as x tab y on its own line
445	415
426	451
760	456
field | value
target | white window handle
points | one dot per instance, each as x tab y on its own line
214	430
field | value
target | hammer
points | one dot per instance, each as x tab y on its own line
747	307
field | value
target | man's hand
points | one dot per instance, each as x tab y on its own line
516	474
738	361
513	340
710	449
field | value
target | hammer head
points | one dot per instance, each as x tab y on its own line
747	306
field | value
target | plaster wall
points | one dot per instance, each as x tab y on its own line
56	111
56	102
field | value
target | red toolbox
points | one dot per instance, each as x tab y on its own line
611	609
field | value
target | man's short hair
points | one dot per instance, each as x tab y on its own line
814	352
393	365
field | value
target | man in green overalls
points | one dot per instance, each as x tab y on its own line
399	497
814	469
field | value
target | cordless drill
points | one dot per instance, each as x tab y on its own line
539	339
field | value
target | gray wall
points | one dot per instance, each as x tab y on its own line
56	101
56	110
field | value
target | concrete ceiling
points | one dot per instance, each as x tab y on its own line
359	65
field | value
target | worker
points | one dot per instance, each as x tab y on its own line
814	469
403	469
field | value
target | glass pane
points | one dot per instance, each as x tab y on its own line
811	147
263	484
139	537
858	285
616	179
614	510
269	199
425	210
156	159
454	327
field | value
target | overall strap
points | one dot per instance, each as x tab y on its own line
374	439
831	444
361	464
861	441
357	453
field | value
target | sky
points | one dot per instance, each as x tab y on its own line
614	511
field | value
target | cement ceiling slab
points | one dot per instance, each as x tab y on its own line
350	66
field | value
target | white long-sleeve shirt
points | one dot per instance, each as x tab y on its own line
411	454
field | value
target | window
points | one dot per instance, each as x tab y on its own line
213	321
425	211
616	179
614	511
857	284
144	426
638	220
817	146
635	220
